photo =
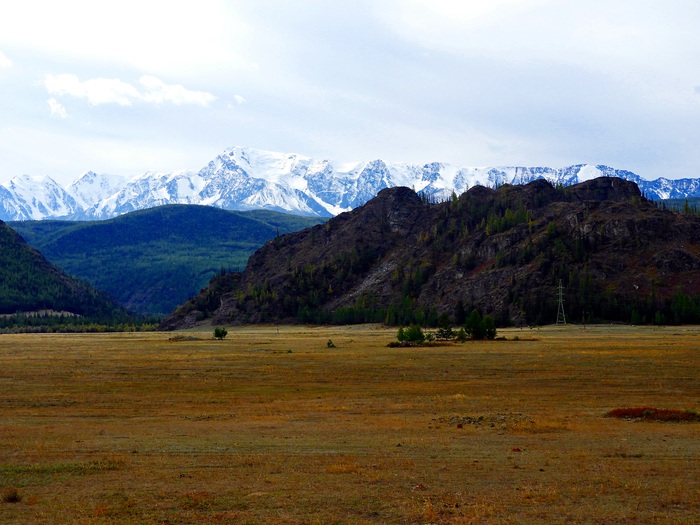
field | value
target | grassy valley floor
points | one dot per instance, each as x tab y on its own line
271	425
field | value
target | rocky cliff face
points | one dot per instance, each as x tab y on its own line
400	259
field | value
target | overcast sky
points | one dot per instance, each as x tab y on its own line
128	86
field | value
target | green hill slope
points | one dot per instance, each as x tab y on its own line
29	283
152	260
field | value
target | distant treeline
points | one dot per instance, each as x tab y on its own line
66	323
581	307
689	206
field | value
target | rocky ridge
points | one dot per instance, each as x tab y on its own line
400	258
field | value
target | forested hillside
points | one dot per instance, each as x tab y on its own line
152	260
401	259
29	283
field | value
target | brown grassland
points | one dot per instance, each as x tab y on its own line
271	425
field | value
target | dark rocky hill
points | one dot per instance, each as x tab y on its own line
29	283
504	251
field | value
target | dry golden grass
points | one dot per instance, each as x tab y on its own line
272	426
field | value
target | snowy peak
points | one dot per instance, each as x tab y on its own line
247	178
269	165
91	188
36	198
147	191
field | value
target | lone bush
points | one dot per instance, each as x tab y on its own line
412	334
461	335
220	332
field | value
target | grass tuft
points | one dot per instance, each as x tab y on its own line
11	495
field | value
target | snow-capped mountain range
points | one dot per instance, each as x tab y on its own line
246	178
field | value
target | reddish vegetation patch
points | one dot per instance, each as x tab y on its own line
654	414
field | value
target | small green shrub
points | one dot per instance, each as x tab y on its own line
413	334
444	330
220	333
461	335
445	333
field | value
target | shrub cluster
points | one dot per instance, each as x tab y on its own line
475	327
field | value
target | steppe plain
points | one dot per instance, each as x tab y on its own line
273	425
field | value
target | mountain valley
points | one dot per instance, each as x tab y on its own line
153	260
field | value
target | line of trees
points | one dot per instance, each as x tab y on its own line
475	327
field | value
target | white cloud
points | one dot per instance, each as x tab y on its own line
158	92
5	62
239	99
98	91
57	109
161	36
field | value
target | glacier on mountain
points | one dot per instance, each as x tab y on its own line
246	178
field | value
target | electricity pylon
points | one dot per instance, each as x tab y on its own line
561	318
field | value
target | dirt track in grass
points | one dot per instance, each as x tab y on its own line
272	426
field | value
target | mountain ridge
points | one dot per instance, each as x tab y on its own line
400	259
247	178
